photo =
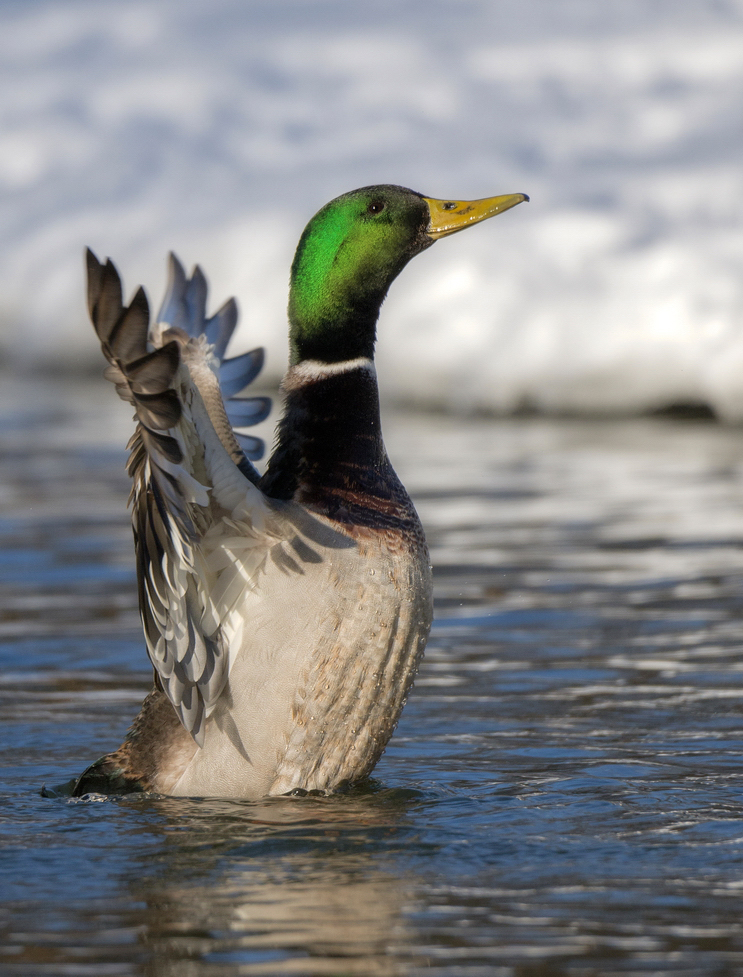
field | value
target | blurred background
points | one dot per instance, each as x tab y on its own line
217	129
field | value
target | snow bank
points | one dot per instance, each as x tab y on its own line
217	128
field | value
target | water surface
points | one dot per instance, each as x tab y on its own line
562	796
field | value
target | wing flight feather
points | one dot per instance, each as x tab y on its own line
200	522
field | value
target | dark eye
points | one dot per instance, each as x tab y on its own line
376	207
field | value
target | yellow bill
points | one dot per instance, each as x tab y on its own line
450	216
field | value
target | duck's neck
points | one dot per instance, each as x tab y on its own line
329	453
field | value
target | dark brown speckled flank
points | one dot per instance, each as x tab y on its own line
155	738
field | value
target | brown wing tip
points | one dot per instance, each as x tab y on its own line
123	331
95	274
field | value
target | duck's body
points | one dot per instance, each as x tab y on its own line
285	616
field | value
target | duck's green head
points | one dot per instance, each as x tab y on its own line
351	252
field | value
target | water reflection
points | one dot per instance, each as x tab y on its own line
287	886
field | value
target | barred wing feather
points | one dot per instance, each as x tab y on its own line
202	527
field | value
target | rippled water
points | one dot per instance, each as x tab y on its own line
563	794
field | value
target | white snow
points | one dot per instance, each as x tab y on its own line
218	127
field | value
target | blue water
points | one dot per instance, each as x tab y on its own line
562	796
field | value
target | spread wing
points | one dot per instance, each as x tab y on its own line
201	525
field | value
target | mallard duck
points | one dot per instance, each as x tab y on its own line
284	614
